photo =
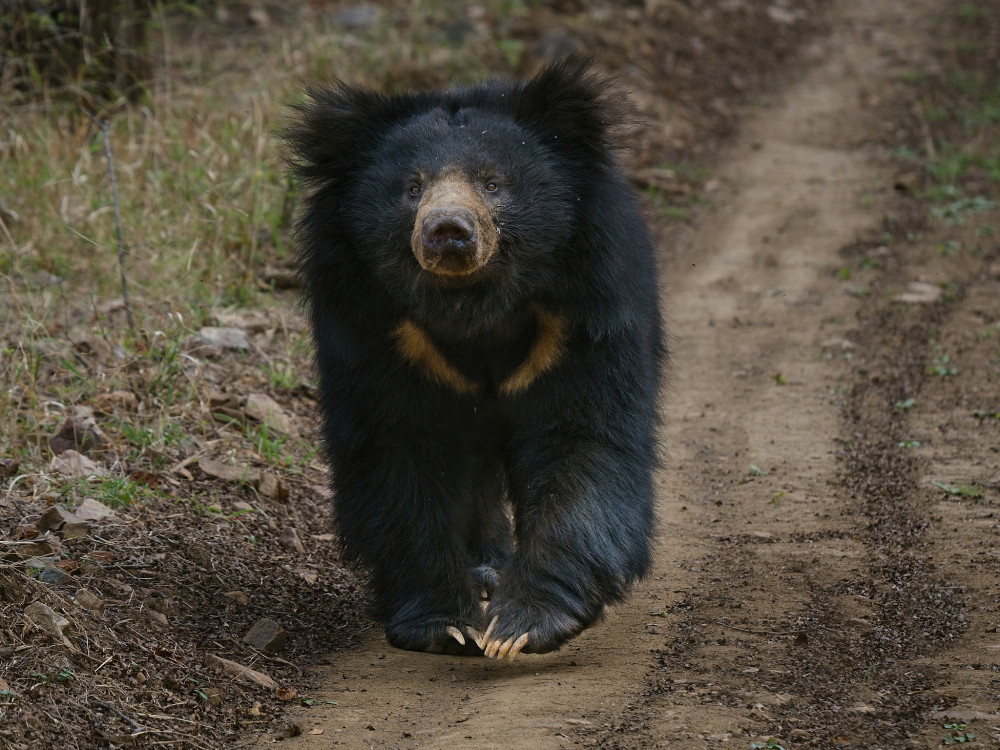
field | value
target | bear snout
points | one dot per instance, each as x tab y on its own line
448	232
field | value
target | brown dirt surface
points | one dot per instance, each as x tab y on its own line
827	570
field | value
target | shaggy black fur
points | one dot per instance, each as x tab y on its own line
427	475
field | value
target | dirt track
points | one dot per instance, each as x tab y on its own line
759	617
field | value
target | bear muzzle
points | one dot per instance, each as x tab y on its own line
449	240
453	233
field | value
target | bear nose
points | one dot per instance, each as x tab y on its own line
449	231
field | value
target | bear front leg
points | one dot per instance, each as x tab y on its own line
400	516
584	515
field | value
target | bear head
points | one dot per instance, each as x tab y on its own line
458	205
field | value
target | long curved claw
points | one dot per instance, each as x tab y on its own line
489	630
475	635
504	648
520	643
492	647
455	633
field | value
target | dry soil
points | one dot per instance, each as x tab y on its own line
795	595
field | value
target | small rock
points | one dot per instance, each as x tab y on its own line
238	597
258	17
81	435
264	409
44	617
155	615
229	473
75	530
35	549
271	486
73	464
8	467
55	517
254	322
308	575
94	510
89	600
267	635
46	570
837	342
213	696
25	531
290	538
919	293
224	338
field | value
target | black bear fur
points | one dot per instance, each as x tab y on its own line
493	430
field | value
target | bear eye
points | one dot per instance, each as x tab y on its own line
491	186
416	189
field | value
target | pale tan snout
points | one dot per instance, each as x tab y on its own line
453	234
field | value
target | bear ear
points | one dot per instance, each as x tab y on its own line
573	107
333	124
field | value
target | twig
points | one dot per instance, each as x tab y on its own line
103	125
136	726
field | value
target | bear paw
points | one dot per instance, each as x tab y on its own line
436	637
507	637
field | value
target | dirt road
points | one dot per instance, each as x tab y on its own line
770	609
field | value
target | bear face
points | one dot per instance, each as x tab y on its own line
483	297
461	204
478	212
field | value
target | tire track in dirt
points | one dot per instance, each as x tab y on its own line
821	630
757	535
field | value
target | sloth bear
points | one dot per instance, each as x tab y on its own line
483	298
